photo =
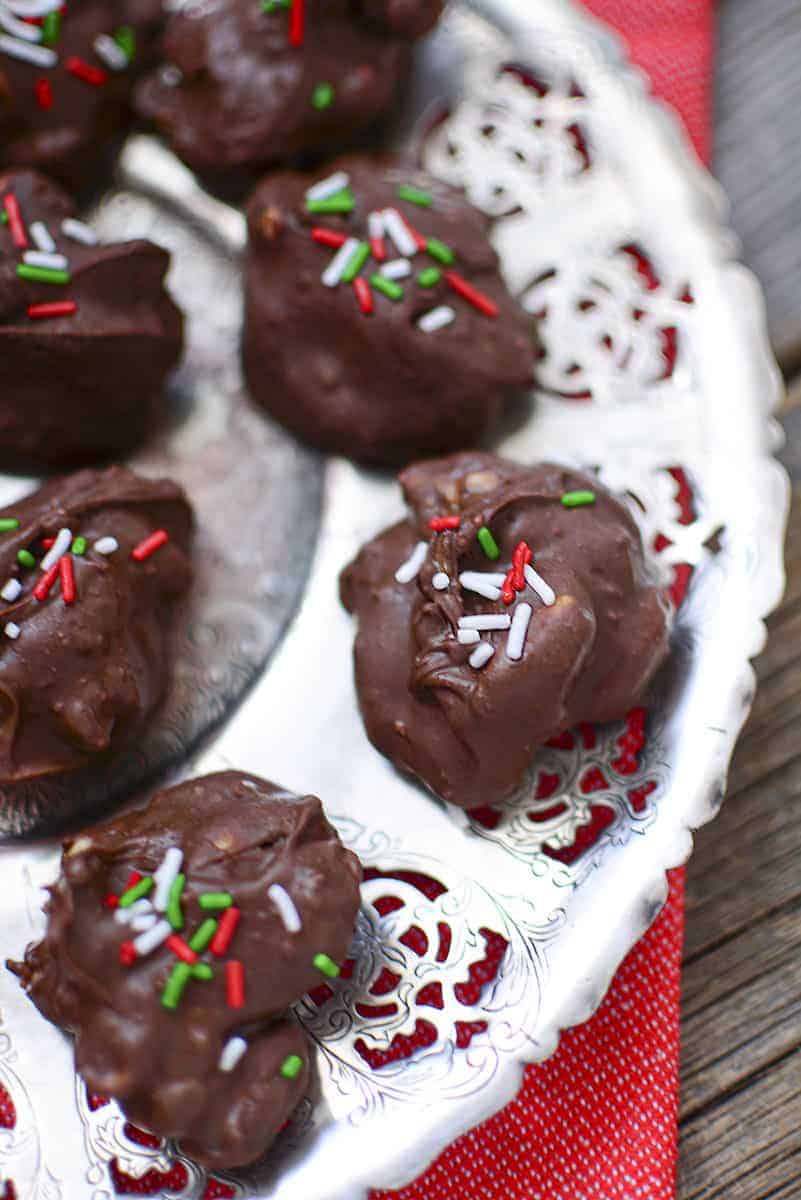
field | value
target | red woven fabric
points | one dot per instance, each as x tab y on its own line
598	1120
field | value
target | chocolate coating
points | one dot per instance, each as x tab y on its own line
85	385
468	733
239	834
72	137
376	387
243	96
80	680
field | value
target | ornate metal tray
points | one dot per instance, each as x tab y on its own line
482	934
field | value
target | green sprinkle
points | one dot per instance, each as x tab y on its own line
488	543
42	274
292	1066
25	558
340	202
174	988
270	6
79	545
415	196
203	935
578	499
429	277
327	965
202	971
215	900
356	262
51	28
136	892
440	251
8	523
322	96
388	286
125	37
3	217
174	914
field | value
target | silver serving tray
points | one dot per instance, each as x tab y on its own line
580	166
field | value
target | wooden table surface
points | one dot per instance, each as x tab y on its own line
740	1125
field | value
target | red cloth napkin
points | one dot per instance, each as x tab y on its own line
597	1121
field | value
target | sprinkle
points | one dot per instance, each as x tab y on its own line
486	621
270	6
125	37
11	590
391	290
545	592
363	295
340	202
165	876
40	56
47	542
20	29
429	277
96	76
215	900
177	945
326	965
440	251
42	237
517	634
202	971
127	954
12	630
25	558
106	545
225	931
133	879
471	294
286	907
143	922
438	524
232	1053
468	637
577	499
124	916
44	94
398	230
40	258
521	556
60	546
51	28
203	935
413	195
43	312
508	589
78	231
110	52
482	584
174	914
15	223
292	1066
153	937
137	892
328	237
440	581
436	319
296	22
150	545
488	543
179	978
410	569
79	546
322	96
399	268
42	274
329	186
375	232
111	901
67	573
356	262
8	524
333	273
45	584
235	984
481	655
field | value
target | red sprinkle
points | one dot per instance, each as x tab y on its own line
363	294
508	589
472	295
225	931
67	573
58	308
328	237
127	954
150	545
45	584
85	71
296	22
419	240
17	228
521	556
111	901
44	93
181	949
440	523
378	249
134	878
48	542
235	983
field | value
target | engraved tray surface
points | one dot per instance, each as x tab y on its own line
483	934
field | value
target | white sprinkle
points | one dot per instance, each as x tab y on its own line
409	570
375	225
164	876
59	548
517	634
124	916
286	908
440	581
399	268
11	590
336	267
78	231
12	631
486	621
328	187
40	56
40	258
42	237
110	53
397	229
545	592
468	637
152	938
143	923
232	1052
482	584
436	319
106	545
33	8
28	33
481	655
